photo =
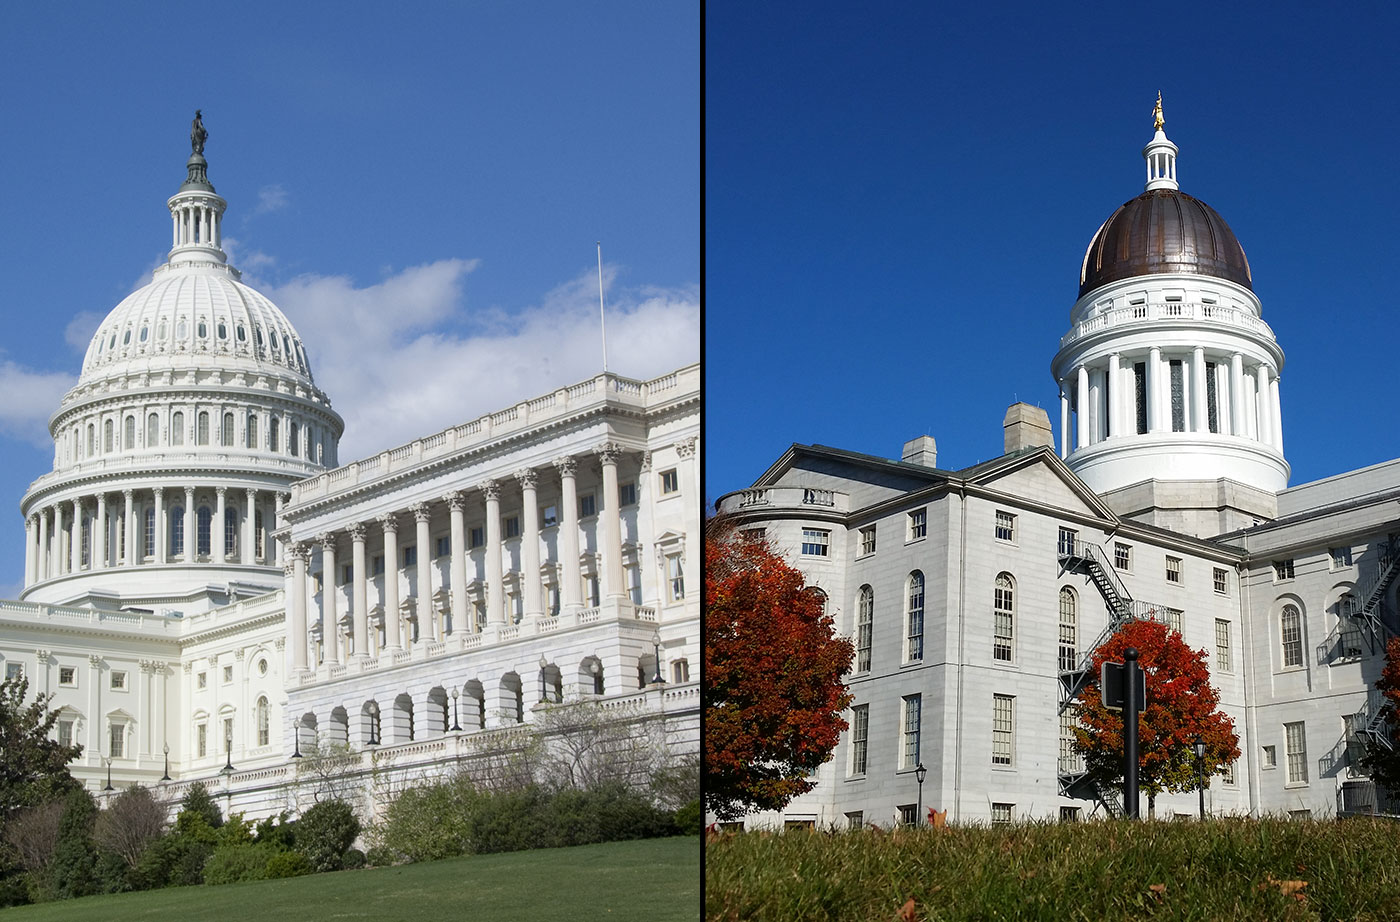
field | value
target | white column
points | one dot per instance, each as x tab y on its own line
216	528
359	596
495	588
572	597
457	504
191	539
689	475
296	591
427	619
530	545
1154	390
1096	420
75	540
99	533
1064	418
250	518
1237	426
162	532
30	537
1276	413
276	550
393	623
130	519
43	545
611	517
1082	409
1261	402
1115	397
1200	421
330	619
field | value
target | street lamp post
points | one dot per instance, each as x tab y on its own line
108	760
455	695
1199	748
228	754
656	654
919	774
373	724
296	739
166	776
544	664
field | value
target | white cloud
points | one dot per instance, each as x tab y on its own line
251	261
383	355
271	198
81	328
30	396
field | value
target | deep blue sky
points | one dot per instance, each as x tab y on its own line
444	168
898	198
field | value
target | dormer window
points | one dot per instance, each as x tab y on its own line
203	329
242	333
126	338
223	330
145	331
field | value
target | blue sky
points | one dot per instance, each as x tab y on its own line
442	168
898	198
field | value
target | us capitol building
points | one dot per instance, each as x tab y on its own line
975	598
209	592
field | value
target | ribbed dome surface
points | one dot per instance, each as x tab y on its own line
1163	231
196	312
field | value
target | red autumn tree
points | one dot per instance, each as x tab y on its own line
1181	706
1379	761
772	687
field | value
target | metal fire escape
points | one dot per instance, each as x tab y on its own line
1076	671
1363	606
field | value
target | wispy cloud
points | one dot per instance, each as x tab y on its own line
81	328
271	198
30	396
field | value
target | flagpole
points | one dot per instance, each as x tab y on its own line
602	317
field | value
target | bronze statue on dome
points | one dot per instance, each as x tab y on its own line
197	133
1157	113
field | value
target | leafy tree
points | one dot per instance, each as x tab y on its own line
1382	763
72	870
772	690
33	767
1181	706
199	804
325	832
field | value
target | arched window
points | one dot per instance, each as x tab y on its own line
865	626
201	432
1291	630
252	431
293	439
202	519
91	446
148	546
177	428
129	434
152	430
263	732
177	531
1004	618
1069	629
87	541
226	435
819	596
231	532
272	428
914	619
107	436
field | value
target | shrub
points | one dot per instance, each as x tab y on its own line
173	860
288	864
71	872
277	830
607	813
509	821
232	863
325	832
427	823
688	819
354	859
382	856
199	802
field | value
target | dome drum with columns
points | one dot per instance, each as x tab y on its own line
173	453
1169	372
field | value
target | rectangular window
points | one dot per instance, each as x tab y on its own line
633	577
1006	526
1140	395
860	736
228	674
201	733
14	671
867	540
347	574
1178	396
1001	814
512	528
1283	569
1068	544
117	740
754	534
587	506
1296	748
549	516
1174	619
442	546
913	716
1003	729
670	482
855	819
627	494
1069	814
202	680
1341	557
1227	775
119	681
1122	556
1174	570
1221	580
908	814
1212	399
228	734
918	524
1269	758
410	556
67	675
65	733
377	565
1222	645
815	542
476	537
676	576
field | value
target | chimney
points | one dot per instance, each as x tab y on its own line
1026	427
922	450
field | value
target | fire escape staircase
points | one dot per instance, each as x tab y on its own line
1363	606
1076	670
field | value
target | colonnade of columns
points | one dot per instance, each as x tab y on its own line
89	533
195	222
1170	392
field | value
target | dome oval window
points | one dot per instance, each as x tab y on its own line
203	329
145	332
286	346
223	330
242	333
160	330
101	344
126	337
257	333
181	330
112	343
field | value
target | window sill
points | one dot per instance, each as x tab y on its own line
913	662
1295	785
909	541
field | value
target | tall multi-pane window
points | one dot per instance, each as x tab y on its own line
1069	541
815	542
148	547
918	524
1178	385
252	431
1212	399
177	428
152	430
1174	569
226	431
1221	580
129	433
1296	750
273	427
1140	396
1349	628
65	733
1003	618
1005	526
1174	619
259	536
231	532
202	519
201	429
1069	629
860	735
116	740
913	716
1291	630
177	531
107	436
1341	557
1071	762
865	625
1003	729
1122	556
867	540
914	639
263	730
677	577
1222	645
294	439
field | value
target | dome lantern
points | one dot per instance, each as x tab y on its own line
1160	155
197	211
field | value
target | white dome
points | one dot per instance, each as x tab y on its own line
200	312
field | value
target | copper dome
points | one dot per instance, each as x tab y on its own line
1163	231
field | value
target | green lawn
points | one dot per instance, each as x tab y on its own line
653	880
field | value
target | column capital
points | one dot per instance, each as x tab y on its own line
491	489
129	494
646	461
298	549
389	522
327	541
685	448
609	452
528	478
567	465
357	531
221	491
95	661
41	655
421	512
456	500
158	492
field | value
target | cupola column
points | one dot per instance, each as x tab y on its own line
1200	422
1115	398
1082	407
75	542
130	526
1277	414
217	526
1064	417
29	538
190	538
1237	426
43	545
250	520
1261	403
99	534
162	532
1154	389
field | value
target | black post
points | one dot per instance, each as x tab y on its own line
1130	735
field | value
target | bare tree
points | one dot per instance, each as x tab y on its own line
503	760
32	833
132	820
328	770
583	743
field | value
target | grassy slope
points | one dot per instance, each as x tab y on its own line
654	880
